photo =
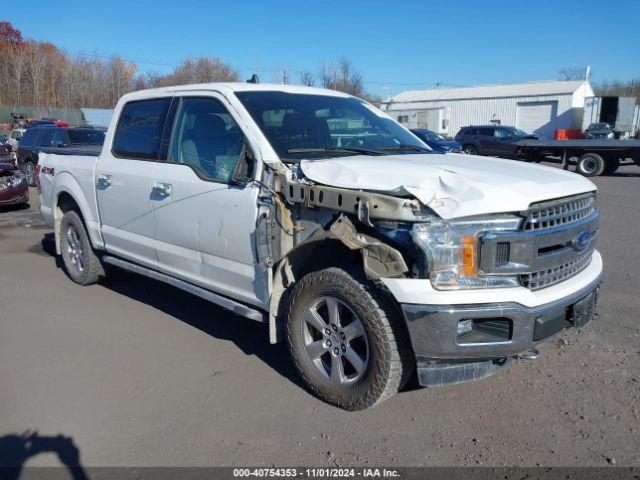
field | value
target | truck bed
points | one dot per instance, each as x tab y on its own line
74	174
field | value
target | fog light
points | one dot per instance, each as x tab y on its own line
465	326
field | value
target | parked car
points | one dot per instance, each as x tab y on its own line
437	142
85	140
491	140
15	136
6	151
599	130
13	185
372	259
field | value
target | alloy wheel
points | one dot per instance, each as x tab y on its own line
335	340
74	249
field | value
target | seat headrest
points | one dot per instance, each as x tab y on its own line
208	125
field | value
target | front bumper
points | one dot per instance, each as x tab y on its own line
500	331
14	195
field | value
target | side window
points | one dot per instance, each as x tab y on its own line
500	133
471	131
207	138
61	138
139	129
46	138
486	131
29	138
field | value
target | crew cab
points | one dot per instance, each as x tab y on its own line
314	212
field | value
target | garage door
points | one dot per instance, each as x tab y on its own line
537	117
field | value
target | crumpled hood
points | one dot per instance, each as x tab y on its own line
453	185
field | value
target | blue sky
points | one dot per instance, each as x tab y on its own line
396	45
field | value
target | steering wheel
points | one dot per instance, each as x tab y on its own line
355	142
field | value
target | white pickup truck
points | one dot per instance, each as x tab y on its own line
314	212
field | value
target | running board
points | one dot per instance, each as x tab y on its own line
224	302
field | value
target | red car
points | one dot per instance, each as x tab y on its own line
13	185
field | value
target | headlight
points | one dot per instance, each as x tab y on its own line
17	179
452	250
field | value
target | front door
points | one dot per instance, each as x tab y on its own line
505	142
123	181
204	222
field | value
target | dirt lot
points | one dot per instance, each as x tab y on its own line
137	373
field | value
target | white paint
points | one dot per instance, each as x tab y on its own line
454	185
420	291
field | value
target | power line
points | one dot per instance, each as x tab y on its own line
242	68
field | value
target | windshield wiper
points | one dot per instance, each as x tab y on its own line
415	148
364	151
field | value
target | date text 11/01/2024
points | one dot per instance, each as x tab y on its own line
316	472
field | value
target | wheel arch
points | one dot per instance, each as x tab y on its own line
70	196
305	258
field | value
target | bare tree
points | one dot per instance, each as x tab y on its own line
342	76
572	73
307	79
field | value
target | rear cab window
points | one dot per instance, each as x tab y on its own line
139	130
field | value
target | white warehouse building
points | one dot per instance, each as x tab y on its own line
536	107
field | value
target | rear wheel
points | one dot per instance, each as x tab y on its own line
470	150
611	165
29	170
346	340
590	165
82	264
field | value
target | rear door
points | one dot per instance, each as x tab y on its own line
487	141
123	180
205	223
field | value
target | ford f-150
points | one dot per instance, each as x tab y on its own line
315	212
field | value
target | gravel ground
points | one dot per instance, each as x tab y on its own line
134	372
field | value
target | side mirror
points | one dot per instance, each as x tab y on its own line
245	168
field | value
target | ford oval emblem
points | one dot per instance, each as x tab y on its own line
581	240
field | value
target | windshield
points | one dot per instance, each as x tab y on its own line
518	133
429	135
320	126
86	137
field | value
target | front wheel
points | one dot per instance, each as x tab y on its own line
470	150
29	170
347	340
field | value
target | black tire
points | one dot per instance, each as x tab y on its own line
29	170
75	244
470	150
388	362
611	165
590	165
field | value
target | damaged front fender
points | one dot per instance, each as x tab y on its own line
379	259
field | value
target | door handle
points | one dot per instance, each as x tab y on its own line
104	180
162	189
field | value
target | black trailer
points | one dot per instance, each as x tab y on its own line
591	157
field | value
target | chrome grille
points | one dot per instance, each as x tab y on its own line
551	276
556	213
